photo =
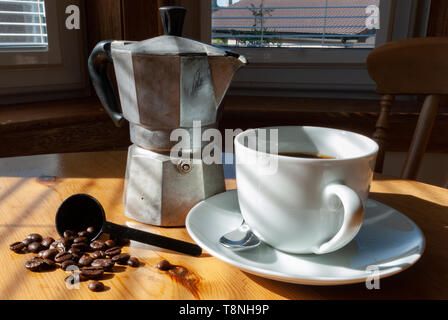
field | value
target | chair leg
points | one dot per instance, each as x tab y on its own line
380	135
421	137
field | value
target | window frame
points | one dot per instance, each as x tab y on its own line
322	72
53	73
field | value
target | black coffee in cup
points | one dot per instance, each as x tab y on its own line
308	155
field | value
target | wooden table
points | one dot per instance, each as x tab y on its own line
31	188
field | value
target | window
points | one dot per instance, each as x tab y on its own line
40	59
22	24
309	47
296	24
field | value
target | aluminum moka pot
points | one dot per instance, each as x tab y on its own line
164	83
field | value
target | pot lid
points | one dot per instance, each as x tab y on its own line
172	43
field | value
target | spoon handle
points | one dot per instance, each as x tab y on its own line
152	239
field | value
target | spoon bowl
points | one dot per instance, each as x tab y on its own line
241	238
80	211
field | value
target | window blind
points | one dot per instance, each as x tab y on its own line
23	24
293	23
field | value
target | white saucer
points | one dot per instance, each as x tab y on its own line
388	240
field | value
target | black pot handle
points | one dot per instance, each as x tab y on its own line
152	239
97	63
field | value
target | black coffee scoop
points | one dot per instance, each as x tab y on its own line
80	211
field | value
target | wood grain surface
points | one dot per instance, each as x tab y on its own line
31	188
438	19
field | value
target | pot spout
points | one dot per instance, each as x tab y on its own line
223	69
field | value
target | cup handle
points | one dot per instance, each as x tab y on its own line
353	216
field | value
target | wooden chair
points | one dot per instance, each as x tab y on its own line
417	66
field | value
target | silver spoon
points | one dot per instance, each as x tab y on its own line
240	239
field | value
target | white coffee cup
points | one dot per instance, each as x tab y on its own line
304	205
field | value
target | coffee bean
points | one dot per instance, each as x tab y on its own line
110	243
34	264
62	243
113	251
83	246
83	234
69	233
96	286
98	255
92	272
61	250
63	256
27	241
121	258
34	247
98	245
80	239
77	256
46	242
76	252
164	265
106	264
67	263
49	254
85	261
133	262
39	264
62	247
17	247
35	237
48	264
90	230
69	240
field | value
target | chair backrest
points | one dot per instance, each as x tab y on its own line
416	66
411	66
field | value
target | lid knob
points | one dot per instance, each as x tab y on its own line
172	20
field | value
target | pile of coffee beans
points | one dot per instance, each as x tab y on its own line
75	252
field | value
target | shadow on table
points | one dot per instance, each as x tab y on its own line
107	164
420	281
110	164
